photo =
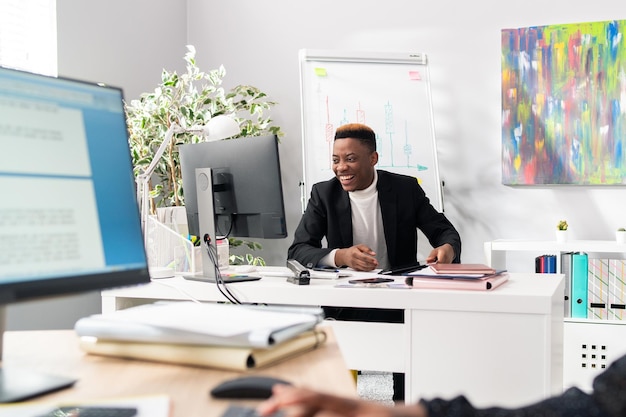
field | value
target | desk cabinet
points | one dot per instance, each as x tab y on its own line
588	345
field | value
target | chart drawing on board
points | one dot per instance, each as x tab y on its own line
390	92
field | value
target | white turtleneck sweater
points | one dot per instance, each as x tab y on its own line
367	224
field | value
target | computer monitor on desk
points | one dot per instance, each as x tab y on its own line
233	188
69	220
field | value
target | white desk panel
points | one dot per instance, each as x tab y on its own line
497	347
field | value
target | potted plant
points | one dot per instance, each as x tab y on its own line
188	99
561	231
620	235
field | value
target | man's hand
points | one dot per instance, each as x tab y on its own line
358	257
302	402
443	254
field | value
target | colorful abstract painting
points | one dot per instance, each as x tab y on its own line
564	104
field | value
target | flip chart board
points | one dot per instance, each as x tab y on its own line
390	92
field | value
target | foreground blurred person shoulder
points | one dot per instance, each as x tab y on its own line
608	399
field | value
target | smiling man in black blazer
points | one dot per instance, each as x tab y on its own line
369	219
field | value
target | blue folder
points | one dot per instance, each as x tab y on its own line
550	264
579	272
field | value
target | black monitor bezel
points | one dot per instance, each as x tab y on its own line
188	168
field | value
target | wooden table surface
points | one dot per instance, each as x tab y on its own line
102	378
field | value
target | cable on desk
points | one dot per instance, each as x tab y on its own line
219	281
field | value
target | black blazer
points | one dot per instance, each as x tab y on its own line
404	207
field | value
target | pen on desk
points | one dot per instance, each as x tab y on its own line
402	270
325	269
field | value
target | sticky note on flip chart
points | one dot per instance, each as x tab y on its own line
415	76
320	72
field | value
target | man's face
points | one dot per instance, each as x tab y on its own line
353	164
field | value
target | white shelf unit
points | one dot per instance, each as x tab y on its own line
588	345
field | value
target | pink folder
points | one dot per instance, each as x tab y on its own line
462	269
482	284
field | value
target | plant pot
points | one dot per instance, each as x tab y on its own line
620	236
561	235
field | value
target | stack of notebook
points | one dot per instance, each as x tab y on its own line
225	336
457	276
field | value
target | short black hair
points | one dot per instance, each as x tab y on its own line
358	131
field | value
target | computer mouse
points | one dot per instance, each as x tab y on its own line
254	386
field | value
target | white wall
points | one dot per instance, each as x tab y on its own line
258	43
125	43
128	42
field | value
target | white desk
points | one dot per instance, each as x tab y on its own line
499	347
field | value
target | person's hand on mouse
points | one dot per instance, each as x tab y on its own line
358	257
303	402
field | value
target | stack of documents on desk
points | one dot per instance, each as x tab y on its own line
216	335
457	276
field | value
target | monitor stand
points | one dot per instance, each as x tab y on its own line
17	384
206	227
206	222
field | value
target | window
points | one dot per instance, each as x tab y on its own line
28	35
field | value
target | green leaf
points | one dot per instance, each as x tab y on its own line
189	98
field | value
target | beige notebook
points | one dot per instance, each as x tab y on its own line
223	357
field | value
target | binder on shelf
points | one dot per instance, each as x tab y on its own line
598	288
545	264
540	264
550	264
537	264
580	269
566	270
617	289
